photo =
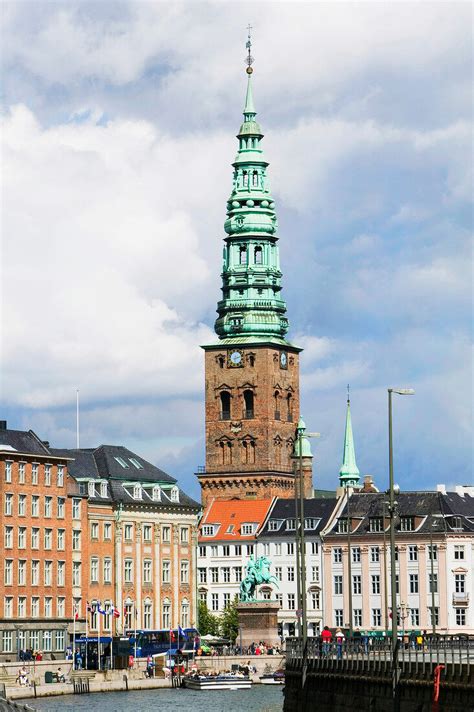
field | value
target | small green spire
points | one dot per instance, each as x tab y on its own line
349	472
305	443
249	105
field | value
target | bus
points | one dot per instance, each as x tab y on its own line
151	642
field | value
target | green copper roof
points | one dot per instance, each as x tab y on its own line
251	304
305	444
349	472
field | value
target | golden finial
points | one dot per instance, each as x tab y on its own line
249	58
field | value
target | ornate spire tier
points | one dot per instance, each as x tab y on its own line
251	304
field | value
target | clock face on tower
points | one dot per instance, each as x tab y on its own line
235	358
283	360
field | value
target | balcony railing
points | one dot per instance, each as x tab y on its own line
460	599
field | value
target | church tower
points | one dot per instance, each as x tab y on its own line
252	371
349	475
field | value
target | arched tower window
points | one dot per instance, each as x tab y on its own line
248	404
248	447
225	405
255	179
221	361
245	179
277	443
242	255
258	255
289	404
277	397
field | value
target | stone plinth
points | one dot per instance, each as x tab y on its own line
258	621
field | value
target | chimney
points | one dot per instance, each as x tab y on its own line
3	424
369	485
441	489
45	443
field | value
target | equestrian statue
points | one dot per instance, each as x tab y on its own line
257	573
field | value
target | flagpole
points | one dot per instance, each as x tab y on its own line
73	635
112	610
98	642
87	630
135	619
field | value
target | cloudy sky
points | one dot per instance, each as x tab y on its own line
119	125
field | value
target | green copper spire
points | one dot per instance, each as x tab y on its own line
349	472
251	304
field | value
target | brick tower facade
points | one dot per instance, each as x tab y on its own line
252	372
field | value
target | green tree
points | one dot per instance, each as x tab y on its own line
208	623
229	622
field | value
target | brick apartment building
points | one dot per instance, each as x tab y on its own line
40	578
77	526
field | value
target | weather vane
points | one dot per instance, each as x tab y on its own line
249	58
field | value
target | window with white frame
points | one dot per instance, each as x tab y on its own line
412	553
337	585
22	537
8	504
433	582
103	489
460	583
184	535
202	575
147	571
47	475
165	571
61	538
337	555
34	639
376	524
460	616
48	568
128	532
95	530
226	574
375	583
338	617
357	614
137	491
291	525
202	551
59	640
8	471
128	571
376	617
214	601
22	572
310	523
34	473
226	550
8	607
238	549
166	534
8	540
290	548
91	488
184	572
278	573
35	572
266	549
356	554
48	538
107	531
7	641
374	554
459	552
21	606
413	583
290	601
76	573
35	538
48	606
147	614
274	525
342	526
214	572
247	529
174	494
94	570
407	524
314	547
226	600
250	549
60	476
415	616
107	570
238	574
436	616
315	600
356	584
61	570
185	613
47	641
21	505
432	552
315	574
76	539
22	473
290	573
35	606
76	508
156	493
147	532
48	501
278	549
60	504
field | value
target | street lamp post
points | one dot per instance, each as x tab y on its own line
301	587
434	526
385	582
349	562
393	580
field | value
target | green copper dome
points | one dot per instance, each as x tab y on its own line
251	304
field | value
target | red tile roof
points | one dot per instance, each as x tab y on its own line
234	512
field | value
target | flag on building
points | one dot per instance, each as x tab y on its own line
180	632
115	611
76	613
100	609
172	636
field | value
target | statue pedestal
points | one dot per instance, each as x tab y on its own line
258	621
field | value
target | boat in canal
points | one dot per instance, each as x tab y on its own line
273	678
218	682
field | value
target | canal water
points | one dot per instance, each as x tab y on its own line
261	698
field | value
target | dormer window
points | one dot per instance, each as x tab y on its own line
407	524
310	523
174	494
208	530
137	491
230	529
342	526
103	489
376	524
273	525
156	493
247	529
456	523
91	489
291	524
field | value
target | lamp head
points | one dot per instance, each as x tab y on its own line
403	391
396	490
